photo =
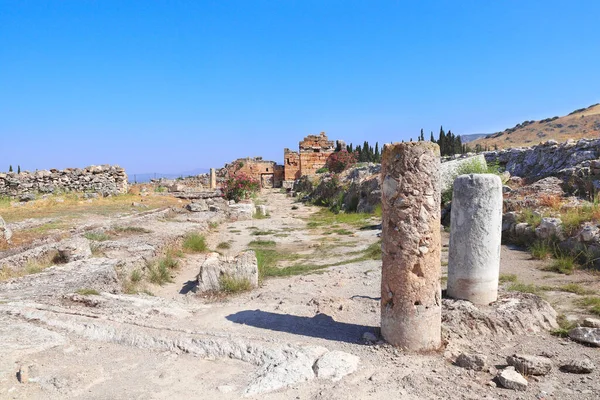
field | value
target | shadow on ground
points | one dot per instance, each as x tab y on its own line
320	326
188	287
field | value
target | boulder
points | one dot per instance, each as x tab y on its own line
511	379
548	228
242	211
582	366
335	365
197	206
451	169
475	362
585	335
591	322
530	365
242	267
5	231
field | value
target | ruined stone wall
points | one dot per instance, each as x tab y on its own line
268	173
314	151
104	179
291	162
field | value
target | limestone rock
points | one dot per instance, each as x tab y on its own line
449	170
589	233
585	335
335	365
511	379
74	249
215	267
5	231
475	362
582	366
591	322
197	206
530	365
242	211
548	228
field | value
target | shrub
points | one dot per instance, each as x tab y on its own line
322	170
339	161
240	186
230	284
224	246
564	264
194	243
541	250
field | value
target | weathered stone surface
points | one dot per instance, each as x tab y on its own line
242	211
335	365
475	362
582	366
449	170
314	151
530	365
475	236
197	206
104	179
74	249
589	233
591	322
262	210
548	228
511	379
5	231
242	267
410	283
585	335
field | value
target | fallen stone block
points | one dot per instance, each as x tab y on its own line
511	379
530	365
585	335
216	267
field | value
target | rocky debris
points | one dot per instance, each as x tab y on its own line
215	267
242	211
104	179
369	337
476	362
94	273
589	233
74	250
582	366
450	169
514	313
530	365
5	231
549	227
23	374
586	335
511	379
197	206
591	322
335	365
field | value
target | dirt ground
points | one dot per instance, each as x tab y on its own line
177	344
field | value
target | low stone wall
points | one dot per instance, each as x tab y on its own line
103	179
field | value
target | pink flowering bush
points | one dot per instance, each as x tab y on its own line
240	186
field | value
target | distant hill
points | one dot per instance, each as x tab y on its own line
147	176
471	137
581	123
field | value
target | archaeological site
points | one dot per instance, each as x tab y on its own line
421	277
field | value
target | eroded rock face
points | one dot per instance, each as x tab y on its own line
530	365
410	281
475	362
215	268
582	366
585	335
75	249
197	206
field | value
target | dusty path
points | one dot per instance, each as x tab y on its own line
178	345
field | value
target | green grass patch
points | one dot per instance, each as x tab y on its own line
505	278
262	243
592	303
97	236
194	243
575	288
224	246
232	285
136	276
325	217
534	219
131	229
262	233
564	326
541	249
343	232
88	292
235	231
373	252
564	264
527	288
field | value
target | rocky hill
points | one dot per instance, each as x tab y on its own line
579	124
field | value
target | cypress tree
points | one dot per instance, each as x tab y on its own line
376	156
18	169
432	138
10	168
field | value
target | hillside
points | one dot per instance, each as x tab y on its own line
581	123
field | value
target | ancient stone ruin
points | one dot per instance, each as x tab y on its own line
410	278
475	235
103	179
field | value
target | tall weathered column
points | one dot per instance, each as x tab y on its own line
475	234
213	179
410	276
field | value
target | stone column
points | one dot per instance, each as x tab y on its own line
475	233
213	179
410	276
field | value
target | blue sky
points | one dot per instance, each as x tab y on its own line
170	86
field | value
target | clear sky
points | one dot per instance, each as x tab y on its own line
170	86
